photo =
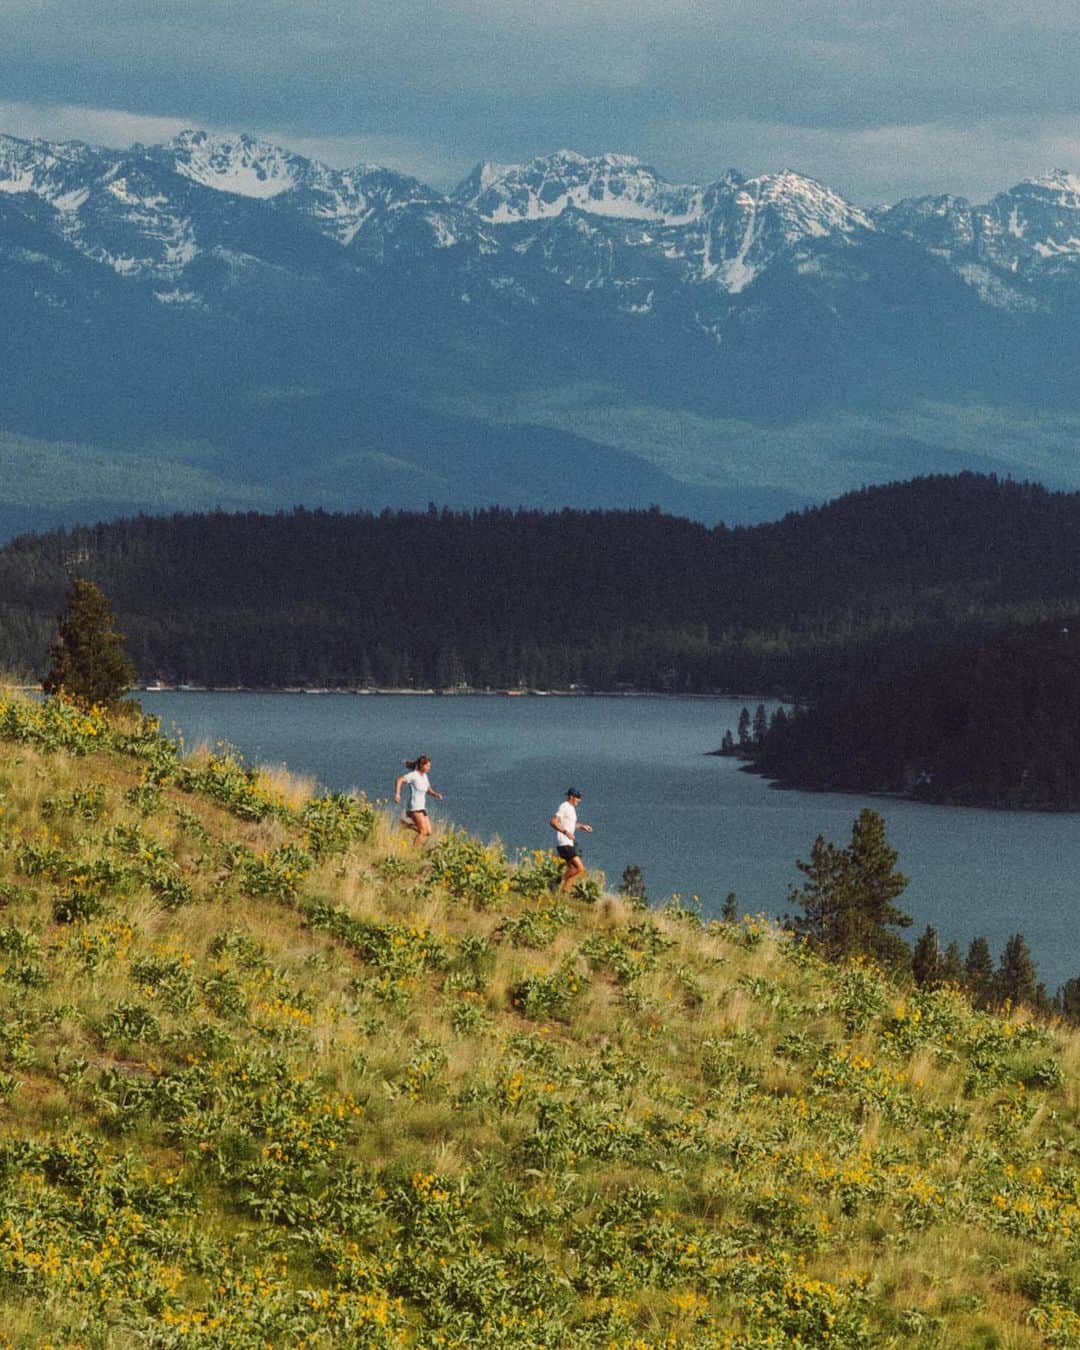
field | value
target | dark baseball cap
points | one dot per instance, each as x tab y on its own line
573	792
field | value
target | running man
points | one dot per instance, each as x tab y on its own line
565	824
418	786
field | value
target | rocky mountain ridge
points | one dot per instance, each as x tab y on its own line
720	235
239	306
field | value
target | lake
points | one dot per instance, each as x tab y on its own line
692	822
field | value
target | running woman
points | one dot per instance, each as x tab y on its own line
565	824
418	785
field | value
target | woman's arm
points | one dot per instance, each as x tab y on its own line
397	787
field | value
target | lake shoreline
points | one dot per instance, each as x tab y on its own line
894	795
363	692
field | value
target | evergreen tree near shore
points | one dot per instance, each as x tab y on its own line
926	959
848	911
1016	980
88	664
847	898
632	886
979	973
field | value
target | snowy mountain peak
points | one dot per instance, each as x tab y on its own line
611	185
179	213
945	224
485	175
1059	182
49	169
749	222
240	164
806	205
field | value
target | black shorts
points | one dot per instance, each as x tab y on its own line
568	851
416	813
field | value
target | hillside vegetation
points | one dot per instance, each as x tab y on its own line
817	602
271	1077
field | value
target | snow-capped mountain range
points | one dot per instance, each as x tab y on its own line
138	211
190	275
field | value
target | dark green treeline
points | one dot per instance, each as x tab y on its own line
995	722
814	604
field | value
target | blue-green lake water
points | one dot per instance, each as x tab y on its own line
692	822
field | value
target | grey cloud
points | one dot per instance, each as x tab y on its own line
708	81
881	164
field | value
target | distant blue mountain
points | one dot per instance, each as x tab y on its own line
574	331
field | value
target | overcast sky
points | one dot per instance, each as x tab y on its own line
880	100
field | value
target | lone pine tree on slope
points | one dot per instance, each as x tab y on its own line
89	665
847	898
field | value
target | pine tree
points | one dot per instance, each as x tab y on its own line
979	973
89	665
926	960
632	886
952	966
761	724
744	728
847	899
1016	979
1067	1001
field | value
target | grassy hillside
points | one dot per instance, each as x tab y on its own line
271	1078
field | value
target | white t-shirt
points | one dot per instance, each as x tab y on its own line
566	815
418	787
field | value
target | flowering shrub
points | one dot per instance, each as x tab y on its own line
468	1016
468	870
53	724
627	954
469	965
86	803
277	875
145	797
395	949
552	995
536	927
536	874
335	822
224	779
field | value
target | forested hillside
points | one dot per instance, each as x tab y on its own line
993	722
811	605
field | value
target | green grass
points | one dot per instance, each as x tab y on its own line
277	1078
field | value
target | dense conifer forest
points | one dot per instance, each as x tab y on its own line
812	606
996	721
